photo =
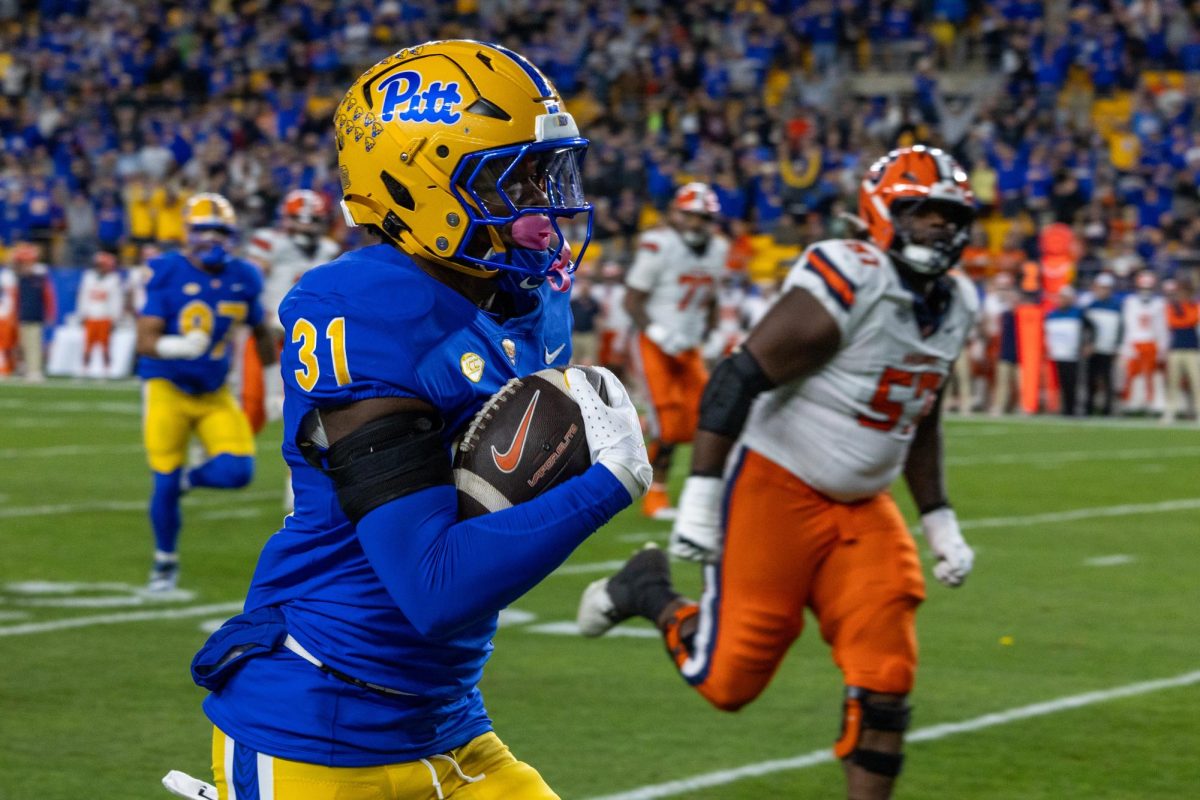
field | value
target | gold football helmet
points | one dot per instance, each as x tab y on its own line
211	226
463	153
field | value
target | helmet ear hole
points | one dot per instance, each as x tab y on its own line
399	192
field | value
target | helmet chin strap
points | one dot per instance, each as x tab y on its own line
920	259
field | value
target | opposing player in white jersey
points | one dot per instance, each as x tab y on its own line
671	299
300	243
834	394
1144	344
103	298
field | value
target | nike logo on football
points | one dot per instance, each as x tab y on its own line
553	354
507	461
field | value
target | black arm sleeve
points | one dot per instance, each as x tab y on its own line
730	392
385	459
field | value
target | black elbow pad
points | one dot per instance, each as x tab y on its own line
730	392
385	459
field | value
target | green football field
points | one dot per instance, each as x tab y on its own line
1067	667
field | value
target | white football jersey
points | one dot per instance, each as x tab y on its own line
613	316
1144	320
100	296
845	429
283	263
680	283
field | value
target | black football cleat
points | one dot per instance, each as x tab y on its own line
641	588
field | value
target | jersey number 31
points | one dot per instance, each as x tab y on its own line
304	333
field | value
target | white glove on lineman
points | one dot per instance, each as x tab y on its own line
696	535
189	346
954	556
669	341
614	434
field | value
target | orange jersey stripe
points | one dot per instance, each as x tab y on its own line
842	289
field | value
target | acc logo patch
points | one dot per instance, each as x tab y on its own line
471	365
191	288
404	99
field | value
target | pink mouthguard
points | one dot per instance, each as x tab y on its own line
533	232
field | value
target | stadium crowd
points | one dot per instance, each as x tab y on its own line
1076	121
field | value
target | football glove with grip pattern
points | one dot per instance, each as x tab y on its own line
955	558
614	434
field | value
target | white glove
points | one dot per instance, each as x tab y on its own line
696	535
670	341
954	556
183	785
614	434
189	346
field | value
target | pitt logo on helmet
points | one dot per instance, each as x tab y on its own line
462	153
435	104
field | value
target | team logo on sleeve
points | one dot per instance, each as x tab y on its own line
407	98
191	288
471	365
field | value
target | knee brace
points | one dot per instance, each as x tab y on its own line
861	713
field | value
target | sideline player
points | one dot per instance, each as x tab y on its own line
835	393
354	670
671	298
194	301
300	243
101	301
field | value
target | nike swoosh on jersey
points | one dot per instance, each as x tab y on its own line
553	354
507	461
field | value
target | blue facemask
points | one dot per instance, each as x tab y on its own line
214	256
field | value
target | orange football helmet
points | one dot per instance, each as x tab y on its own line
697	198
305	207
900	183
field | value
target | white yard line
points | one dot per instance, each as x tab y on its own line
98	408
69	451
928	734
1068	456
1054	421
122	505
1186	504
115	619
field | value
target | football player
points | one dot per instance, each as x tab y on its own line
671	298
355	669
300	243
835	393
194	301
1145	340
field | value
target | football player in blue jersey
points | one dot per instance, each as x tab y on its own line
354	669
195	300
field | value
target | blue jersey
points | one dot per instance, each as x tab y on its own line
187	297
371	324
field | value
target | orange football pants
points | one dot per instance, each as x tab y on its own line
96	332
253	391
788	547
1143	365
675	385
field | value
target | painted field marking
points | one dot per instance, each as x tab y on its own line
927	734
568	628
115	619
122	505
73	406
69	451
1109	561
1070	456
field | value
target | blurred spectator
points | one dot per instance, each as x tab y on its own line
1103	314
1064	346
1000	326
584	310
35	308
1183	355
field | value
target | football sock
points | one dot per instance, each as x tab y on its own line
164	510
223	471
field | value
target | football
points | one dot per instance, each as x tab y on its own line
526	438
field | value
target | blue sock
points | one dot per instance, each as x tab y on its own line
164	510
223	471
